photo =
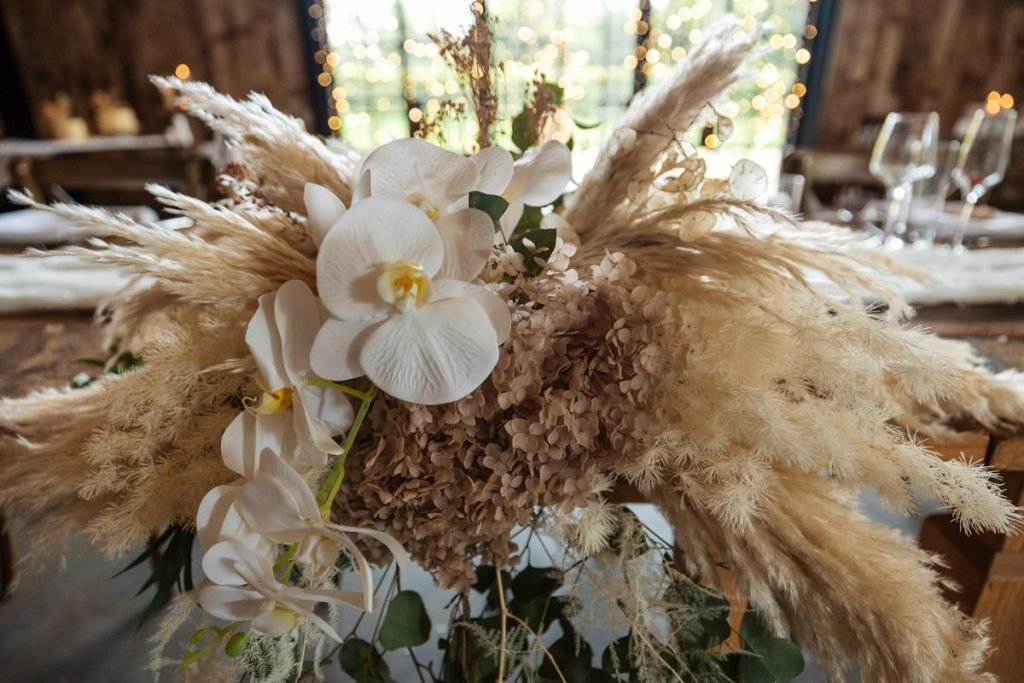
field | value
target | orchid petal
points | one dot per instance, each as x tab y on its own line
264	341
495	167
372	233
230	563
250	434
362	568
408	167
297	600
493	305
541	176
232	602
467	236
328	407
220	564
267	507
323	208
510	219
319	548
361	188
398	552
298	316
275	621
273	468
314	434
335	353
435	354
337	597
218	520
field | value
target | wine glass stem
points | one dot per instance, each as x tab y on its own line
970	200
899	210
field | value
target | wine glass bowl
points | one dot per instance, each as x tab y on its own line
906	151
982	160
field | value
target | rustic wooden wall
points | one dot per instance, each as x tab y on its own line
79	45
918	55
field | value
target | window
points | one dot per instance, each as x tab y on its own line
386	70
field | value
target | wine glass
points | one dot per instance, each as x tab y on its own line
906	150
930	194
982	161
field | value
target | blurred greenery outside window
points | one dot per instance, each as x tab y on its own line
588	47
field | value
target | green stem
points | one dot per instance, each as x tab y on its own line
328	384
332	484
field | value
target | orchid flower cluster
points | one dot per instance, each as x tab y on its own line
400	303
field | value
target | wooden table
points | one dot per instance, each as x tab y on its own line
40	350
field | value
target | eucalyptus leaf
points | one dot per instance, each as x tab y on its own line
536	582
772	660
486	582
539	612
534	245
557	91
524	135
491	204
466	658
574	662
530	220
406	623
360	660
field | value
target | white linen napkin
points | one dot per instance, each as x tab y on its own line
55	283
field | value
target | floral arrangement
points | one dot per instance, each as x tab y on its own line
418	356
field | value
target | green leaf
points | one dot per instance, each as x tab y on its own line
466	658
361	661
586	126
534	245
575	663
616	658
557	91
524	135
539	613
491	204
406	623
486	582
171	554
536	582
530	220
773	660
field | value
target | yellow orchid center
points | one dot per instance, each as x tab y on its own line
273	400
283	618
404	284
428	207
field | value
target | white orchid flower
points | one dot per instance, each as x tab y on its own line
280	336
419	337
437	182
279	505
538	178
243	588
242	446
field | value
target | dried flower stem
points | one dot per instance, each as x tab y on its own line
540	643
504	630
320	382
332	484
